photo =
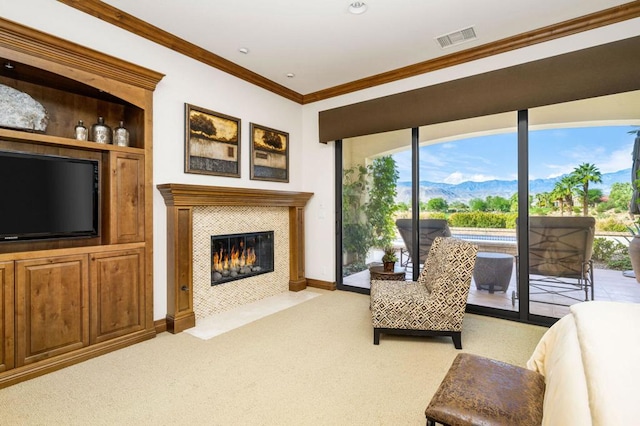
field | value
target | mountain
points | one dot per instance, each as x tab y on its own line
465	191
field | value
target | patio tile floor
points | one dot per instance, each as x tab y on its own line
609	285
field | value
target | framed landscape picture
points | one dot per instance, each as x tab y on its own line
212	143
269	154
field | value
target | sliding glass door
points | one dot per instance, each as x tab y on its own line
581	182
468	178
544	193
373	190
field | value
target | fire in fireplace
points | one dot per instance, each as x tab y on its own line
238	256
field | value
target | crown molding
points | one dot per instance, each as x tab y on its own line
143	29
24	40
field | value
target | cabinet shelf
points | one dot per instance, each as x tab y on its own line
42	139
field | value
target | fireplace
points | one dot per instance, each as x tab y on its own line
194	213
238	256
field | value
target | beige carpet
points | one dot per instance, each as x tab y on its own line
311	364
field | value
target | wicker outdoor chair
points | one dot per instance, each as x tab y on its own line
435	304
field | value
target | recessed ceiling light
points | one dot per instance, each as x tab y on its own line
243	50
8	65
291	75
357	8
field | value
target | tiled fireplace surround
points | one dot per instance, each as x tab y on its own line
218	220
194	214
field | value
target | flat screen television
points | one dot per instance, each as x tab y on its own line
47	197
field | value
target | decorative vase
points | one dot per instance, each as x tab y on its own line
121	135
634	255
100	132
81	132
388	266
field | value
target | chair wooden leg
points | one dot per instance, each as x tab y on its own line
457	339
376	336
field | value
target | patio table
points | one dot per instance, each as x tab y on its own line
378	273
493	271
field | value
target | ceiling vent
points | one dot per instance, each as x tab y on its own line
456	37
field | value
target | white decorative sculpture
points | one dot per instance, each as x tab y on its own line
20	111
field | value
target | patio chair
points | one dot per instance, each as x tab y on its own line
435	304
428	230
560	262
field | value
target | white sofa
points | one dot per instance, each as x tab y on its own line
591	362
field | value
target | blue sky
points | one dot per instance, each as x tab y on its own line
553	152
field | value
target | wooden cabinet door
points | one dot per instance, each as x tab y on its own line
6	316
125	213
52	307
117	294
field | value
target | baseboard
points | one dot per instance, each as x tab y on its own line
324	285
160	325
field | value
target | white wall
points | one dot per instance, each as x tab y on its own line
186	80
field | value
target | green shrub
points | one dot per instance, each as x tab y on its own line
353	268
622	264
603	248
510	220
613	253
611	225
436	215
477	220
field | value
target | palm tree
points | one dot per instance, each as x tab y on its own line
563	192
558	195
544	199
583	174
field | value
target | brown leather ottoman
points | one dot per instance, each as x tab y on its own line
483	391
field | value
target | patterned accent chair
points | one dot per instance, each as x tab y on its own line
435	304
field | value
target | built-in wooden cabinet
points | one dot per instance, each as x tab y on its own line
117	294
52	307
66	300
6	316
125	213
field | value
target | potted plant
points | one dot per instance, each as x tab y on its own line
389	258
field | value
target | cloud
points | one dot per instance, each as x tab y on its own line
454	178
617	160
458	177
606	162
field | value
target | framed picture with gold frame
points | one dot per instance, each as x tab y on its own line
212	142
269	154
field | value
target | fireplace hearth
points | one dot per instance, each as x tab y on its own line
238	256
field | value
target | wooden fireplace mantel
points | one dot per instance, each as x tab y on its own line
180	200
